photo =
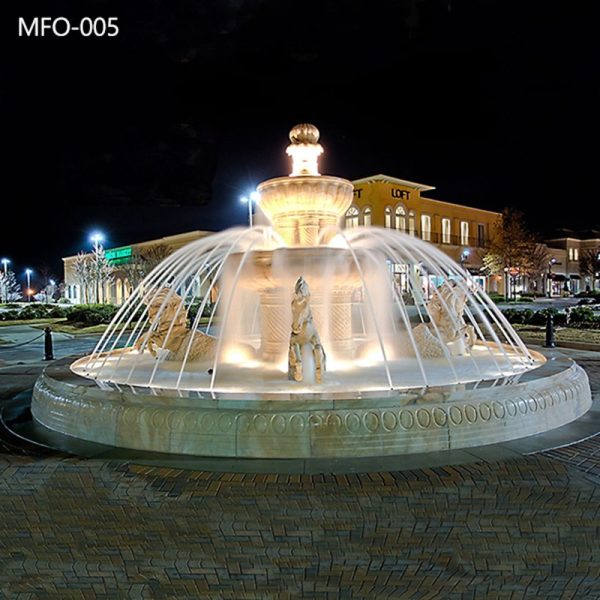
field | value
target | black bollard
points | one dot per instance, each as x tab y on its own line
48	350
550	341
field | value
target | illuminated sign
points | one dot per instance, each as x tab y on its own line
119	256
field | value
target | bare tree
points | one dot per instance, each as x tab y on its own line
102	273
514	249
589	264
134	270
10	290
536	259
154	255
511	243
83	275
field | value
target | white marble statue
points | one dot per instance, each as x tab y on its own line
447	327
165	312
304	332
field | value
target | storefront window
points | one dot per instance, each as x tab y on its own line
445	231
412	223
464	233
352	217
388	217
400	218
367	216
426	228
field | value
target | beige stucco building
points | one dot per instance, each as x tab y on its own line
567	251
462	232
120	288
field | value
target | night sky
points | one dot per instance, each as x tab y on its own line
160	129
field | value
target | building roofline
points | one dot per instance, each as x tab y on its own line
380	177
485	210
163	239
388	179
569	237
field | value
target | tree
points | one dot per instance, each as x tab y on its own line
10	290
510	244
142	262
102	271
589	264
134	270
536	259
83	275
153	256
514	249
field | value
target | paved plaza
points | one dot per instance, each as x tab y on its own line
522	527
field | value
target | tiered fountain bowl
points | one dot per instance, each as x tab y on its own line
196	361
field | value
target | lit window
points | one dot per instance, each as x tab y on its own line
388	217
426	228
367	216
352	217
412	223
400	218
464	233
445	231
570	253
575	253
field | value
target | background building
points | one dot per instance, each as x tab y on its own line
576	261
130	264
462	232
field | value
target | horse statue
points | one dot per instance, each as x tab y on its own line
447	312
304	332
169	330
448	326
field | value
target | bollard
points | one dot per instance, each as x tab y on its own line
550	341
48	350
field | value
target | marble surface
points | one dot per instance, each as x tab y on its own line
312	426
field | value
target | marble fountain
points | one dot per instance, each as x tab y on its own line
301	344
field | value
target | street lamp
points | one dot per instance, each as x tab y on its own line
52	288
96	238
28	273
5	262
464	256
249	200
549	284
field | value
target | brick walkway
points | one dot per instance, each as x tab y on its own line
524	528
92	529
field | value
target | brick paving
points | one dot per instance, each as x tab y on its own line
522	528
73	528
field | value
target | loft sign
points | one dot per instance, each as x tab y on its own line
402	194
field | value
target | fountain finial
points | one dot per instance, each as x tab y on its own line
304	150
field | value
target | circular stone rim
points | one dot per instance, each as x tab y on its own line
542	399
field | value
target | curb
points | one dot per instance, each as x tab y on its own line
571	345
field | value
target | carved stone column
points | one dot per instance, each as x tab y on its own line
334	326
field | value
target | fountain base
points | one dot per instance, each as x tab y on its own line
312	425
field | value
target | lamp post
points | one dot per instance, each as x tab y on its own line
549	283
52	289
5	262
464	255
249	200
28	273
97	238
